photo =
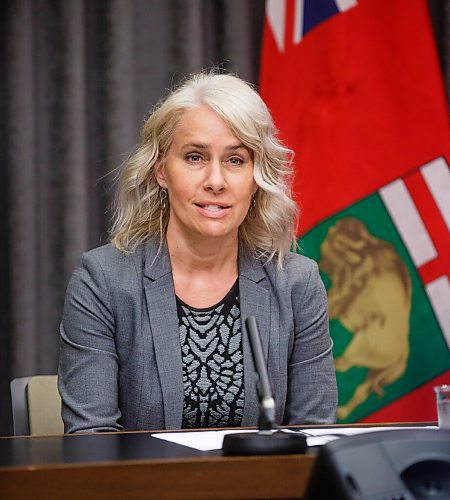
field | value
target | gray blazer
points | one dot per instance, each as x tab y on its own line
120	357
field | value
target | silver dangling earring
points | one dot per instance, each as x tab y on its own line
163	199
252	209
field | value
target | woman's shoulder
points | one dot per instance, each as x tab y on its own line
299	277
298	273
295	269
295	266
105	255
109	260
298	261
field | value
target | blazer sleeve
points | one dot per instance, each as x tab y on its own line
312	391
88	362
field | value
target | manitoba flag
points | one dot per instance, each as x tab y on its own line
356	91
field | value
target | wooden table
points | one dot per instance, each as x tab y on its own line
137	465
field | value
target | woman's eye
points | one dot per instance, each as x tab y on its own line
194	158
236	161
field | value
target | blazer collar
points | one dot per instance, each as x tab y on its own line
249	267
157	261
162	311
255	301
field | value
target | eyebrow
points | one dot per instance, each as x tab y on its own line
202	146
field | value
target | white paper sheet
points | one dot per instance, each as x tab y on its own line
200	440
212	440
351	431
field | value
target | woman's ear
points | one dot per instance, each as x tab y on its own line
159	173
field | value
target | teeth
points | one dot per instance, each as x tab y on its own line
212	208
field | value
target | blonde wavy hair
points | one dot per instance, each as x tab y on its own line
268	230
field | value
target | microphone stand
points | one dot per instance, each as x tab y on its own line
267	440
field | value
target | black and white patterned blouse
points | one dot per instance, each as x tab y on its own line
213	368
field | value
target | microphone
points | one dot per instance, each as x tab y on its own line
266	441
263	388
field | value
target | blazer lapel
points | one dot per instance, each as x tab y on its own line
254	301
162	311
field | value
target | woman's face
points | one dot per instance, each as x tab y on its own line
208	174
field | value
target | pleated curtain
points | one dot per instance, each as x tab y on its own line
78	77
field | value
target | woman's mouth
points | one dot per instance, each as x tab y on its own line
212	209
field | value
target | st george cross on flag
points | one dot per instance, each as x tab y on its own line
356	91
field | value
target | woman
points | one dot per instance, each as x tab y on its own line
152	334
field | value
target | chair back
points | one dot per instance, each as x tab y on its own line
36	406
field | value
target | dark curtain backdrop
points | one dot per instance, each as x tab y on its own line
77	78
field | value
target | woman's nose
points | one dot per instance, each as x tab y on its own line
214	177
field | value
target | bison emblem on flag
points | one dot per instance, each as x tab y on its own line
371	296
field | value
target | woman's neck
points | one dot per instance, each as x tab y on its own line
202	254
204	270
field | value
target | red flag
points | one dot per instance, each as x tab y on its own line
356	91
